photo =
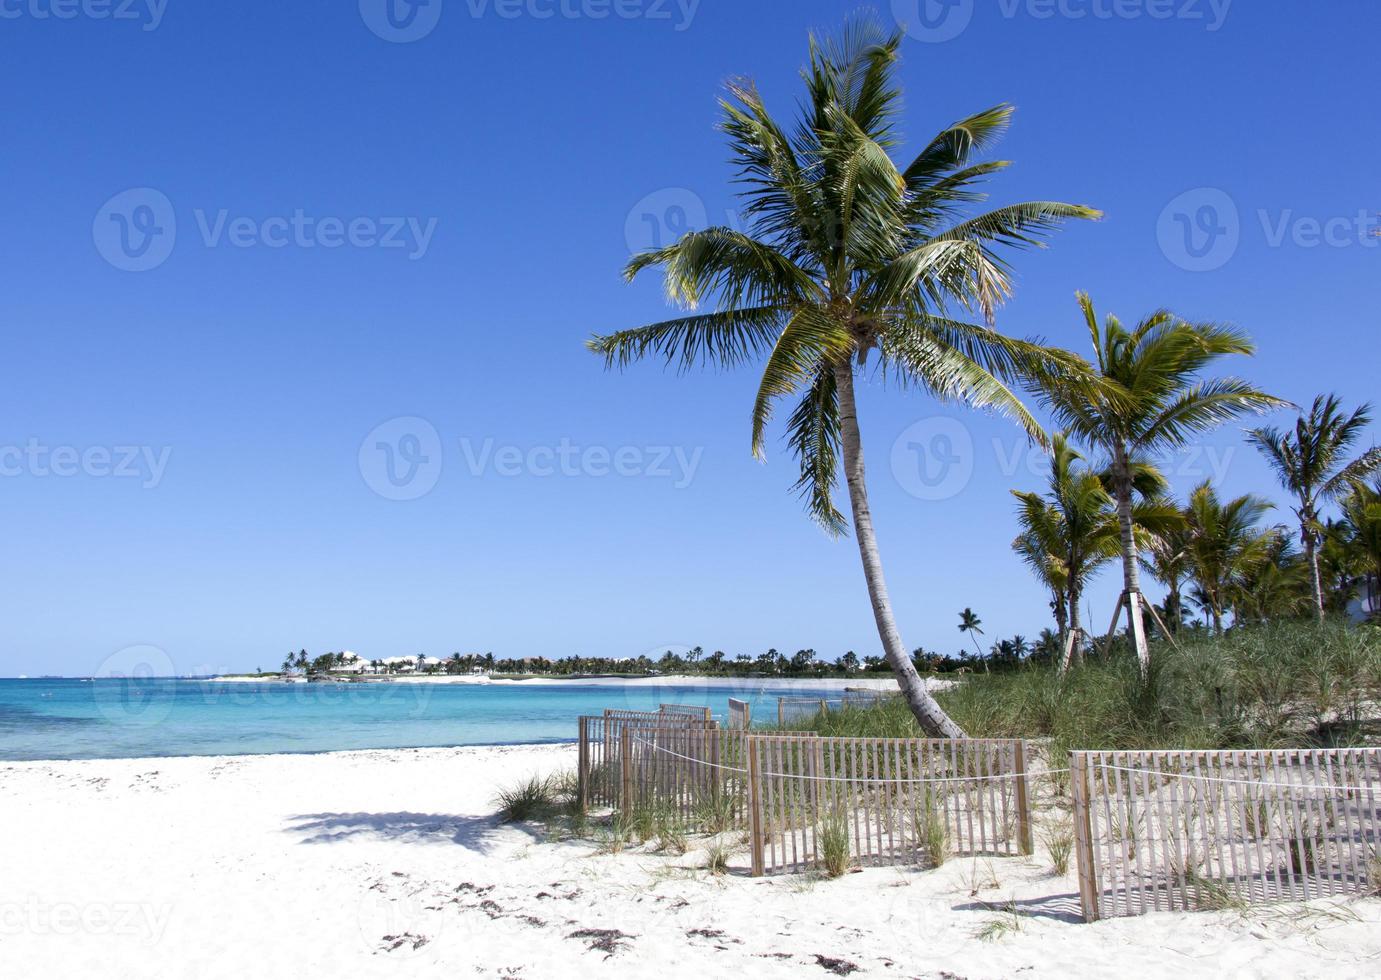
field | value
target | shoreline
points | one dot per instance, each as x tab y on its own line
680	681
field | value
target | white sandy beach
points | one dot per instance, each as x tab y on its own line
390	864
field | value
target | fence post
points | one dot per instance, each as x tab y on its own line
1024	840
583	766
824	708
781	715
754	804
1083	835
626	769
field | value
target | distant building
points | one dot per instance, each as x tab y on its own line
1366	605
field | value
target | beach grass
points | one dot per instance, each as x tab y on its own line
1274	686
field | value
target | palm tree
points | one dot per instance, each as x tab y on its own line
1362	510
1167	560
1277	585
846	255
1068	535
970	623
1311	463
1225	545
1147	398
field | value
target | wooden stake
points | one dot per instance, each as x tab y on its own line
1083	836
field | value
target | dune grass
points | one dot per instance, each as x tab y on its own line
1275	686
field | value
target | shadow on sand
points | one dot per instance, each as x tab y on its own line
1061	908
478	834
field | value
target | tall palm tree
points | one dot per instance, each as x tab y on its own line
970	623
1071	532
848	254
1225	545
1146	399
1311	462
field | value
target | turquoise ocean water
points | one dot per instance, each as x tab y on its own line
148	717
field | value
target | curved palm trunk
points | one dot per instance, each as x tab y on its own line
929	714
1131	575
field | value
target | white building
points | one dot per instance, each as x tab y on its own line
1366	605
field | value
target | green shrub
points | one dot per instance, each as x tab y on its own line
533	799
1280	685
833	832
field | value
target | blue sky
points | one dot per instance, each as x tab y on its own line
344	220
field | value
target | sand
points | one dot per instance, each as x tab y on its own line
391	864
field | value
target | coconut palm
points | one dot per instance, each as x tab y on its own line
1225	546
1148	398
1312	464
1277	586
1167	560
847	254
970	623
1362	510
1072	531
1066	536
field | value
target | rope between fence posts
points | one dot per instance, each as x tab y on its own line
906	782
846	779
700	762
1245	782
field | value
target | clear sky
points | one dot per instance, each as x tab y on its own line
344	215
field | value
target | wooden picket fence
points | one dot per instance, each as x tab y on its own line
1209	830
886	801
602	743
692	710
740	714
791	710
882	801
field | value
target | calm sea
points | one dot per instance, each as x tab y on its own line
115	719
